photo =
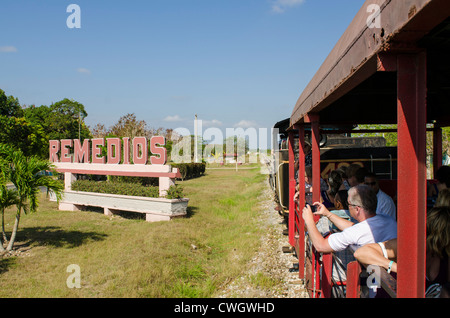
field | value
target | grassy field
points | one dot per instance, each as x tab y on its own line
128	257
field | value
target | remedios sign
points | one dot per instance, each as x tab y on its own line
117	157
118	151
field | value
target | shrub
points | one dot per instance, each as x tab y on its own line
122	188
145	181
190	170
175	192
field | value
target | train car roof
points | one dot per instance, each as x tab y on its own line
283	127
356	74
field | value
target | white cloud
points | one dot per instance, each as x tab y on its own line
280	6
212	123
245	124
8	49
83	70
173	118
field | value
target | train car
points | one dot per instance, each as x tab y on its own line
395	71
336	150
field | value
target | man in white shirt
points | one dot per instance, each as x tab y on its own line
371	228
385	204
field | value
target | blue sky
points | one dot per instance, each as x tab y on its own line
233	62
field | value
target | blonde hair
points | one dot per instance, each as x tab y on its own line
443	198
438	231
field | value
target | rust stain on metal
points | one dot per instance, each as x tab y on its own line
386	44
412	11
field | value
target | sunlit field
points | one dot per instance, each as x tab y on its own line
124	256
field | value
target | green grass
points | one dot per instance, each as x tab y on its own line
121	257
263	281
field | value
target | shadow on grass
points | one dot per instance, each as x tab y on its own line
56	237
6	263
190	211
46	236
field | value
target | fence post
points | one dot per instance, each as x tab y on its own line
353	283
327	273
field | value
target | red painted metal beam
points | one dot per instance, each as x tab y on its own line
292	184
315	139
317	268
411	110
327	273
353	282
299	222
386	62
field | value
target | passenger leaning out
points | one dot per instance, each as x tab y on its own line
371	228
384	253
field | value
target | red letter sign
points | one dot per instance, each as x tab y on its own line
80	153
97	151
65	156
140	145
54	149
113	158
161	151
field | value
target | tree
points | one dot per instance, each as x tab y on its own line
238	145
26	175
129	126
66	120
391	137
9	106
61	120
20	133
8	197
37	115
98	131
391	141
17	130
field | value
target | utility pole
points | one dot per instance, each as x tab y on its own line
195	140
79	125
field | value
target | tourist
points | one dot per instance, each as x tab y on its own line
371	228
355	174
385	204
443	198
384	254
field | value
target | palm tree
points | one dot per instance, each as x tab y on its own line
24	173
8	197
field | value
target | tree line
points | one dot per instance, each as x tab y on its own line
29	128
25	132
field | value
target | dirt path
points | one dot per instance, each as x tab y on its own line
268	262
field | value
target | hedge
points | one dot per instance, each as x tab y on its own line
122	188
190	170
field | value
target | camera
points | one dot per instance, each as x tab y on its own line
313	207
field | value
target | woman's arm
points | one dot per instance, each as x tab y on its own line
372	254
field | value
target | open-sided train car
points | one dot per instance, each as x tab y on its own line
336	150
395	71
